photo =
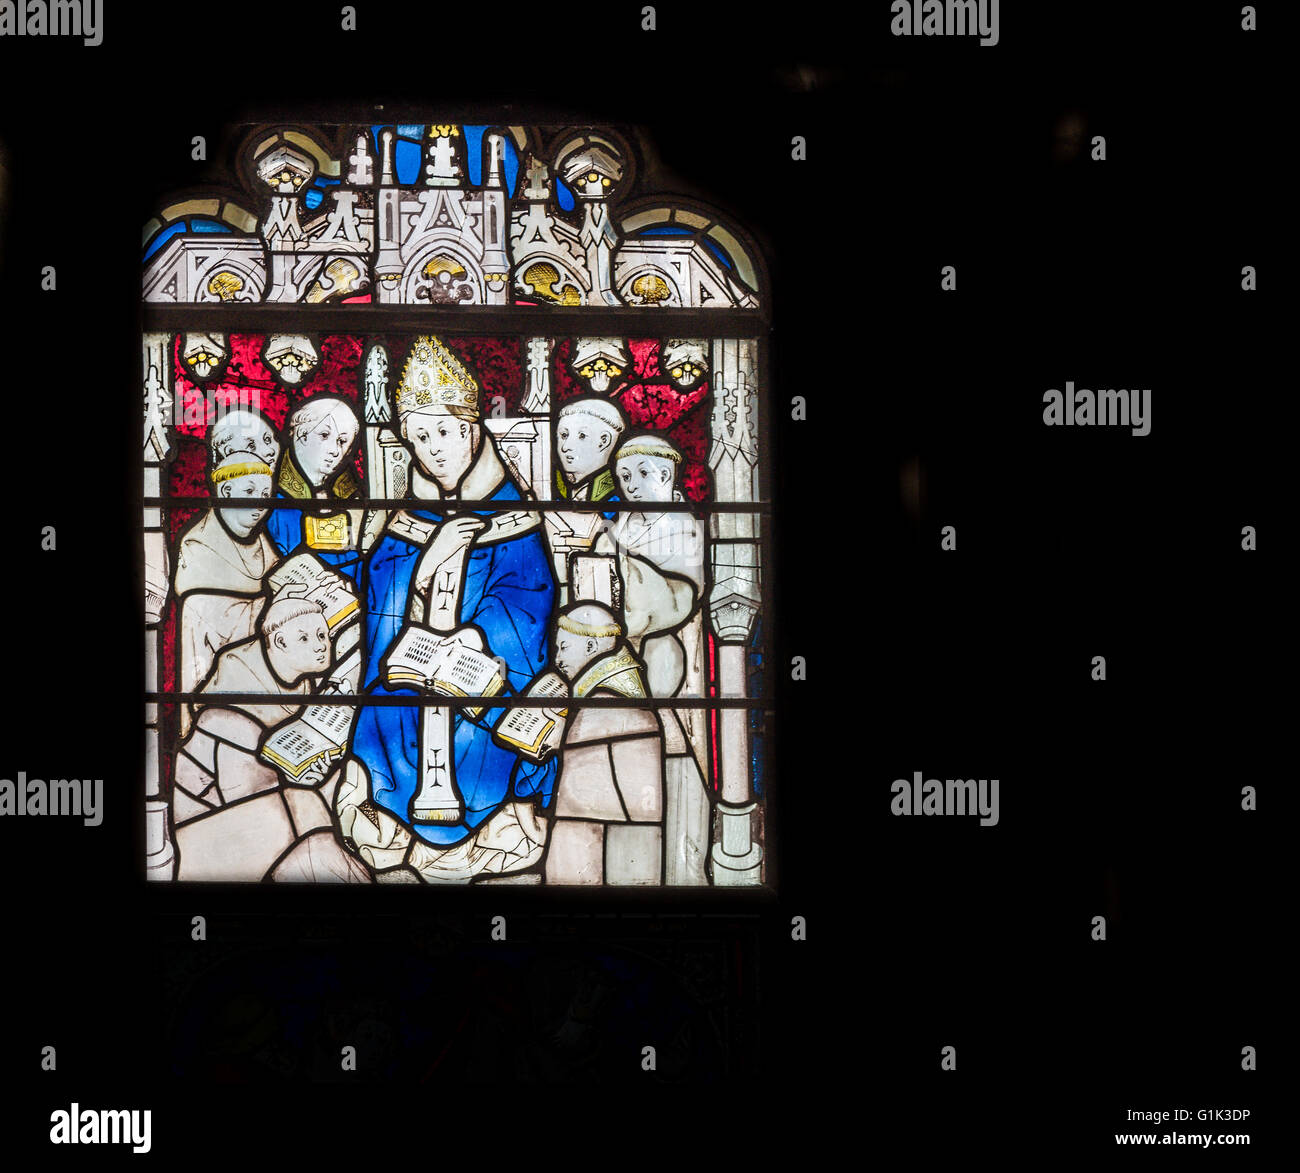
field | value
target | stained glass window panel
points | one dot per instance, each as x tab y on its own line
433	597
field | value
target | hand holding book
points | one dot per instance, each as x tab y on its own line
535	732
307	577
304	749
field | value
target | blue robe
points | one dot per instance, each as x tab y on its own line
286	529
509	594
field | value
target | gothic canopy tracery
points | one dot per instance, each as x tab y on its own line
444	215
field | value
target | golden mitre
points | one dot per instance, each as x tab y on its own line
434	379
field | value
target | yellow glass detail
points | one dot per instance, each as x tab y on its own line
326	533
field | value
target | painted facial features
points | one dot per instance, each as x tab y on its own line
256	486
321	451
443	445
304	645
643	478
572	653
582	442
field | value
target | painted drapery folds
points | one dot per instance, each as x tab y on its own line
453	573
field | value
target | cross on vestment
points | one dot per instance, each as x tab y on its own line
438	800
439	776
445	600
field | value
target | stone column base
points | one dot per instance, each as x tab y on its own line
736	861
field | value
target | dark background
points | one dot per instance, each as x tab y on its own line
1119	798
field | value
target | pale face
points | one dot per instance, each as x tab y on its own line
304	646
321	451
645	478
261	442
443	445
245	434
572	653
583	444
242	522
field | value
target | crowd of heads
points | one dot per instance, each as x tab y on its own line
322	431
589	437
445	439
445	436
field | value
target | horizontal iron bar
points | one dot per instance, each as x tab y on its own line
461	506
218	699
530	321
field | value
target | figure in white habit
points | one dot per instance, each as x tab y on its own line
221	563
661	565
236	816
609	800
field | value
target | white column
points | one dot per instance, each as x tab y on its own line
160	855
734	599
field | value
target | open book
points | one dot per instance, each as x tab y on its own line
437	663
535	733
321	732
337	598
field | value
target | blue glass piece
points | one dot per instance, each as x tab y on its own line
508	591
163	237
564	195
379	143
512	165
202	224
665	230
754	660
716	251
407	161
415	132
315	195
474	152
